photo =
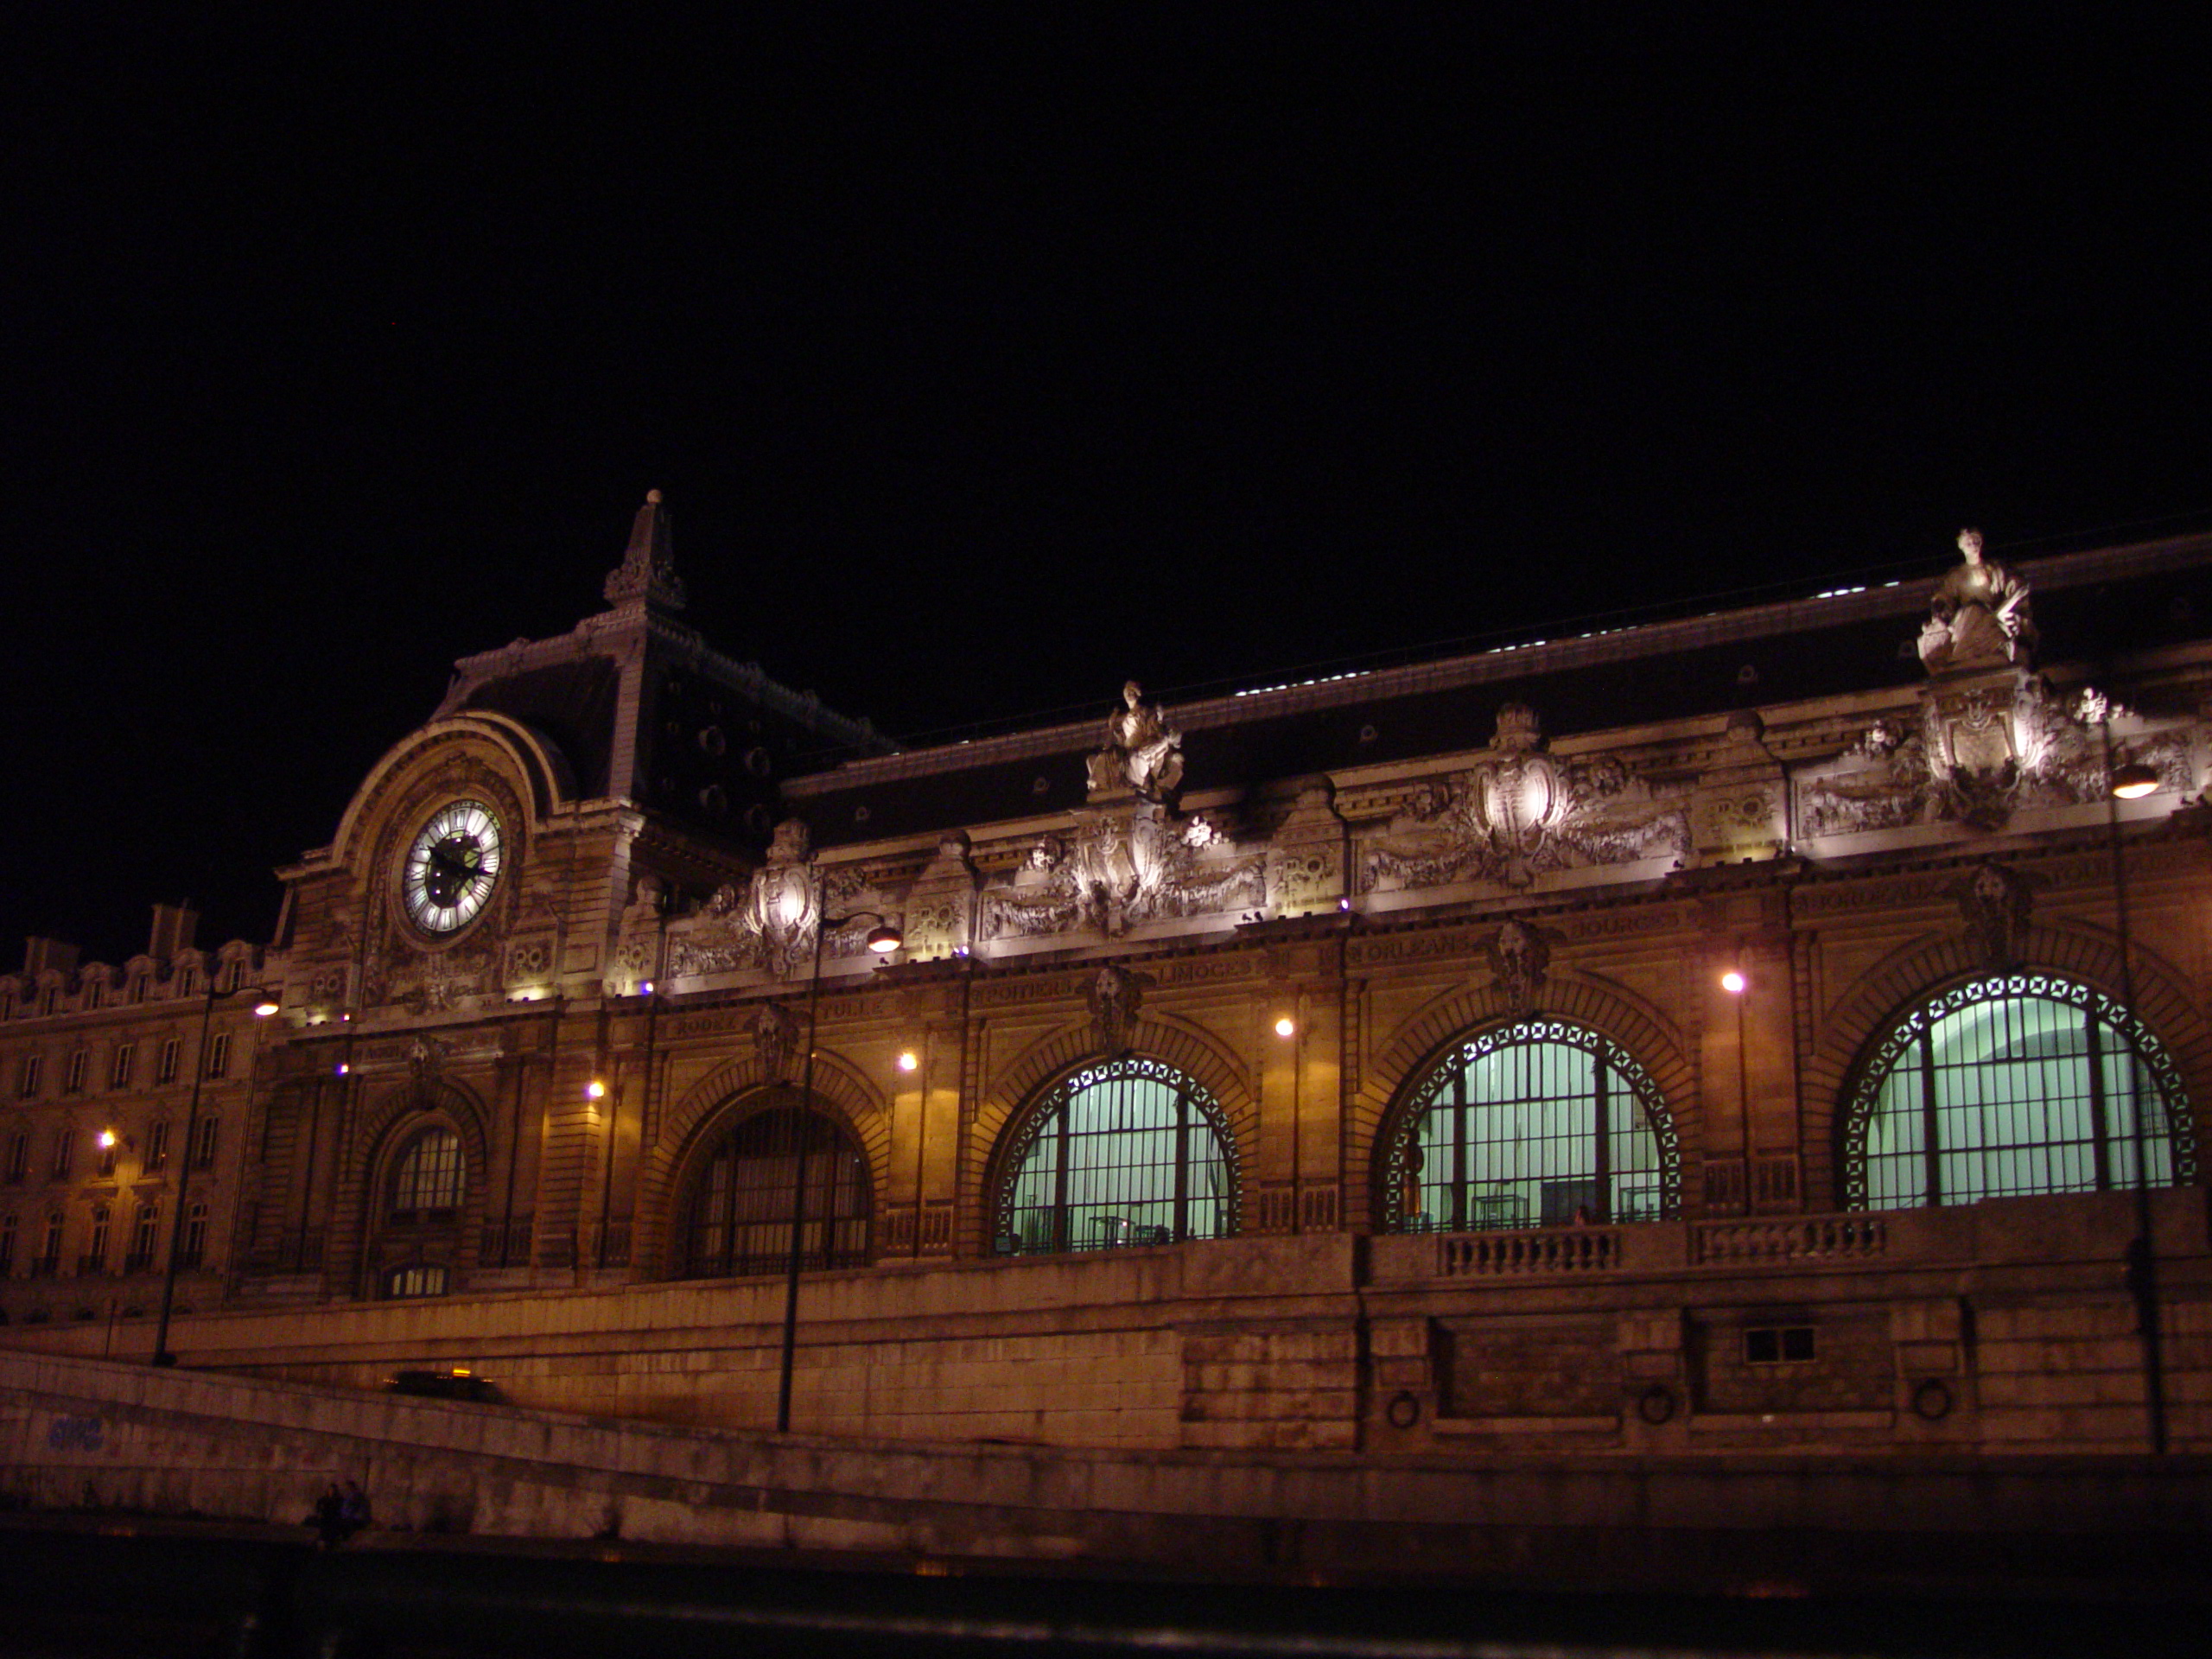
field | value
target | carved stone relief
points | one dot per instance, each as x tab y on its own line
1040	900
939	904
769	922
1306	873
1987	747
637	944
1519	813
1122	868
1735	808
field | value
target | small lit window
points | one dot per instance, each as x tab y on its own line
429	1173
124	1062
166	1068
418	1279
1777	1344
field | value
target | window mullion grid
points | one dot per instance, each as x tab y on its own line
1061	1133
1182	1164
1930	1129
1599	1077
2100	1101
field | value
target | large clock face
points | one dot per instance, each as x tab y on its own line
453	864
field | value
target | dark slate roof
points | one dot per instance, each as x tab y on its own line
2090	609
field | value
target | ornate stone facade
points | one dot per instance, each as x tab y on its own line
1710	908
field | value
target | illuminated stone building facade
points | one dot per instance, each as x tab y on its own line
1720	1034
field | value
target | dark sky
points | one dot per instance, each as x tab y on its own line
988	356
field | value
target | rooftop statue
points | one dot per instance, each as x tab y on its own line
1143	752
1979	617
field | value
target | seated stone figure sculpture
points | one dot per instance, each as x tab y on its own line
1979	617
1143	753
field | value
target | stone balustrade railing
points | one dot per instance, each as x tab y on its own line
1559	1249
1795	1238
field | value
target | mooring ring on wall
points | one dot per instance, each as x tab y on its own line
1656	1405
1931	1400
1404	1410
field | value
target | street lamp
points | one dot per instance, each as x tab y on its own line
883	938
2130	782
262	1009
1736	984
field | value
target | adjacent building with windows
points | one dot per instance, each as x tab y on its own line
89	1195
1762	1030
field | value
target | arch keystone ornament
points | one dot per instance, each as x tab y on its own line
1113	996
1518	955
1995	903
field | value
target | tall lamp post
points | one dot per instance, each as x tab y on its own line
262	1010
883	939
2127	783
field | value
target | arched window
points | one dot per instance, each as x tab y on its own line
738	1216
2012	1084
1534	1124
429	1176
1131	1152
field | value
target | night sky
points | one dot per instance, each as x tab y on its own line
989	356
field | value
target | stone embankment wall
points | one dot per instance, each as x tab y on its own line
99	1436
2007	1326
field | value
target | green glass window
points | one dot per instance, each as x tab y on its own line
1128	1152
2012	1084
1535	1124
